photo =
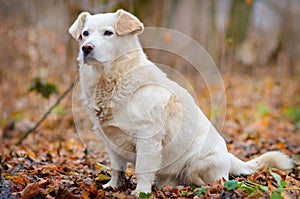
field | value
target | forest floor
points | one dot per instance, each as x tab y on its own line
262	114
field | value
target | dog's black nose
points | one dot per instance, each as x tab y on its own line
87	48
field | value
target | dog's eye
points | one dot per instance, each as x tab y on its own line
108	33
85	33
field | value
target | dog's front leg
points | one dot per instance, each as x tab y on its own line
148	161
115	179
118	165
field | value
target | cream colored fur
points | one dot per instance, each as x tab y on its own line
144	117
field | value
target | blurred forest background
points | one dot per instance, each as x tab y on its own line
257	40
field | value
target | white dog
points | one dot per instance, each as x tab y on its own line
146	118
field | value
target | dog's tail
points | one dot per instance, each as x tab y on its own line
269	159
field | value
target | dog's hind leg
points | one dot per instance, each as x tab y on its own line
201	171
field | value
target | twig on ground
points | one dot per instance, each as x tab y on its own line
46	114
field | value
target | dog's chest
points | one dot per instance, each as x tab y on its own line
104	97
104	94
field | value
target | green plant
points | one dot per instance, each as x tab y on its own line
262	109
251	186
294	114
43	88
59	110
145	195
200	191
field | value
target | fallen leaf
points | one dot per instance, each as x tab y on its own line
30	191
103	177
85	195
31	154
102	167
20	180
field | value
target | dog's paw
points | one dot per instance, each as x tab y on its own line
105	186
137	193
109	185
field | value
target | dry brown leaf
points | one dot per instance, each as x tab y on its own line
103	177
30	191
102	167
31	154
20	180
85	195
256	194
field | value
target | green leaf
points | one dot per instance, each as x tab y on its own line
184	193
256	186
229	41
248	188
293	113
277	178
264	188
145	195
283	184
198	192
193	187
239	184
231	184
275	195
3	122
41	87
59	110
289	112
263	110
17	115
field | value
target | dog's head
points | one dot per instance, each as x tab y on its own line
104	37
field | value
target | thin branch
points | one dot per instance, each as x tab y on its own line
47	113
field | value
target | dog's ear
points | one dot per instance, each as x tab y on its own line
76	28
128	23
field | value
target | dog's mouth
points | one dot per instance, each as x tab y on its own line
91	60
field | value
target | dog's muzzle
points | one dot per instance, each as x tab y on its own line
87	49
88	55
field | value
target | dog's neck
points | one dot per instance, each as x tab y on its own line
127	61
